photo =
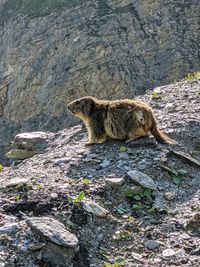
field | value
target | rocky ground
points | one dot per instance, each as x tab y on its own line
109	205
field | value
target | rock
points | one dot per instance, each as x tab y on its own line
28	140
94	208
136	256
123	156
10	229
19	154
114	181
105	163
15	182
194	222
142	179
53	195
53	231
25	145
181	253
168	252
169	195
62	161
151	244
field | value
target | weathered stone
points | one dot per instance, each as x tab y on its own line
105	163
15	182
194	222
169	252
123	155
62	161
151	244
29	140
169	195
10	229
114	181
142	179
19	154
94	208
53	195
53	231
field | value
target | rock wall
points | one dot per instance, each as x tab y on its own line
105	48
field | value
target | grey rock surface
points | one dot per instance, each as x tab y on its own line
53	231
10	229
94	208
142	179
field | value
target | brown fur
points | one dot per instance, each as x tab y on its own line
124	119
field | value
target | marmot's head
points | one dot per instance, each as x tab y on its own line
82	107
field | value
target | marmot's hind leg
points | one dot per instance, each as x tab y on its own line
93	141
136	135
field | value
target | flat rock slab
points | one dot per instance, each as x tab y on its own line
53	231
28	140
142	179
14	182
94	208
19	154
9	229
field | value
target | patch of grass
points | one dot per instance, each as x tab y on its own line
118	263
1	167
193	76
80	198
140	200
155	95
34	8
86	181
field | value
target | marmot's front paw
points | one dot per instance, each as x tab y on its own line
89	144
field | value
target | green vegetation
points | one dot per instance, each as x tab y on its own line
80	198
155	95
34	8
140	200
193	76
118	262
86	181
123	149
1	167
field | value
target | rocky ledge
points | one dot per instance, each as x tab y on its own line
114	204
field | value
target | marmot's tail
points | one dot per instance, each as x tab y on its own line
160	136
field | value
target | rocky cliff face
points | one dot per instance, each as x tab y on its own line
52	53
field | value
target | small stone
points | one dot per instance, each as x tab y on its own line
10	229
142	179
62	160
94	208
114	181
136	255
105	163
151	244
194	222
53	195
168	252
181	253
169	195
53	231
123	156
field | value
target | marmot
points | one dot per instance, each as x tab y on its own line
124	119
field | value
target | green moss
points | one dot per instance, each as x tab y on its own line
34	8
